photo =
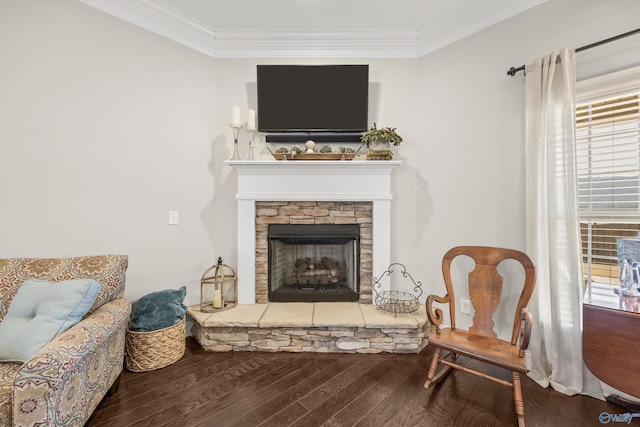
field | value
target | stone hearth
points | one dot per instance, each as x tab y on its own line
331	327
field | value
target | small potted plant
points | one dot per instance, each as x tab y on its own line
379	140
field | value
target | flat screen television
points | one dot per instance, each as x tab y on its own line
313	98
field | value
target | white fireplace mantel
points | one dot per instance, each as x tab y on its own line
310	180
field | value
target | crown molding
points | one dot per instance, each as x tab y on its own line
161	19
316	43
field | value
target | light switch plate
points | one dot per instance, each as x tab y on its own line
174	218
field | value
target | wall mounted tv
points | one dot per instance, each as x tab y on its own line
313	98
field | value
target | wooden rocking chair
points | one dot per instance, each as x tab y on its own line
481	342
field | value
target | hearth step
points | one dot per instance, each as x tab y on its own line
340	327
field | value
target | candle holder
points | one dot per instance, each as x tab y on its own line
250	132
236	130
218	288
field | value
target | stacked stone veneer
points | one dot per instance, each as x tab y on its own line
309	212
322	339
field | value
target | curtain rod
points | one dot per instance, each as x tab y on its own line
513	70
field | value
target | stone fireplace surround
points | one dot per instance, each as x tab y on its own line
310	181
354	191
312	212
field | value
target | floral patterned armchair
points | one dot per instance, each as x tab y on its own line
63	383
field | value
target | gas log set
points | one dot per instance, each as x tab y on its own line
310	273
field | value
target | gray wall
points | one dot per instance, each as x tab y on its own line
105	127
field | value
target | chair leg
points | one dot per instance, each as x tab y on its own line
432	377
517	398
433	367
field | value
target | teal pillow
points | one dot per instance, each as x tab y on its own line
158	310
41	311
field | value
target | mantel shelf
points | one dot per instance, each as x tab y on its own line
357	166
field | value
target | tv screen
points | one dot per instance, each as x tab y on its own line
313	98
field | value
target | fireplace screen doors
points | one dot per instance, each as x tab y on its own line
314	262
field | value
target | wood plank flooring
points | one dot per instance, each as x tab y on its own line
323	389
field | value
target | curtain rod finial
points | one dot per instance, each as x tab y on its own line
513	70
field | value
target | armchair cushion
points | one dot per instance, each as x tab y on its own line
41	311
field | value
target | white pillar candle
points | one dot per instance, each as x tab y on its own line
251	122
235	116
217	298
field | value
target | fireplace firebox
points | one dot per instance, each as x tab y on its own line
313	262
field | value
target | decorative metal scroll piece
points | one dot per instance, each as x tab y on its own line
397	301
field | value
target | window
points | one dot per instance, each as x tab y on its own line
608	156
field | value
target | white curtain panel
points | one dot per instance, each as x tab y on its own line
553	233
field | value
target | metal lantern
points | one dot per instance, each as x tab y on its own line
218	288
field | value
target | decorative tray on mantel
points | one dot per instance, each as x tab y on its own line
314	156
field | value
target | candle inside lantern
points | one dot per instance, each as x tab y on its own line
251	121
235	116
217	298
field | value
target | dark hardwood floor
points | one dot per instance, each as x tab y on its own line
324	389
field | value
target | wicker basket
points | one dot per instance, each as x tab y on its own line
146	351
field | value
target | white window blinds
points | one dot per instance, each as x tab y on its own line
608	145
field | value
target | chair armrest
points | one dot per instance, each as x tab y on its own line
65	381
435	314
525	333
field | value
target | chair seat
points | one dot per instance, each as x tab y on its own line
490	350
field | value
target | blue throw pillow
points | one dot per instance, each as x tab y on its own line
158	310
41	311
